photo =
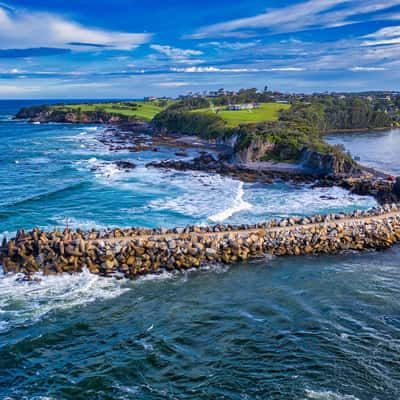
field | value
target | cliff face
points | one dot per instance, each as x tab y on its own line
91	117
327	164
256	149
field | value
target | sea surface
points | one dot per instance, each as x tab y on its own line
275	328
377	149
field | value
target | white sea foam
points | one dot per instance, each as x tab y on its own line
87	141
75	223
38	160
181	276
201	195
7	235
6	117
276	201
105	171
238	204
328	395
24	303
164	275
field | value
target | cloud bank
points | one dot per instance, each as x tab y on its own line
302	16
22	29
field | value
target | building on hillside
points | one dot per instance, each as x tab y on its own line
239	107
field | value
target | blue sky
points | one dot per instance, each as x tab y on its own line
135	48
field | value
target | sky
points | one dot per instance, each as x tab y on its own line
135	48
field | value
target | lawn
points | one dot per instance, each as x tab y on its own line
266	112
145	110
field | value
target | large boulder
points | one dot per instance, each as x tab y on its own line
396	187
333	165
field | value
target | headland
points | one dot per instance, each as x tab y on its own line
250	136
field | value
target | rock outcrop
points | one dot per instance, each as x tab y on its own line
254	151
46	115
328	164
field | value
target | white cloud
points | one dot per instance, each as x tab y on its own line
235	70
286	69
25	29
171	84
14	90
208	69
306	15
231	45
383	37
384	33
367	69
176	54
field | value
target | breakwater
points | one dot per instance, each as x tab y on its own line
135	251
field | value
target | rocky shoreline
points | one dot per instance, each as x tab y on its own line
219	158
135	251
383	190
135	136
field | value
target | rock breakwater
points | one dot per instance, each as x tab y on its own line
133	252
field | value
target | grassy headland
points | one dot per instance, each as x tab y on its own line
262	126
142	110
118	111
233	118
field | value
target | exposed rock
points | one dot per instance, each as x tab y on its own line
136	251
256	149
328	164
125	165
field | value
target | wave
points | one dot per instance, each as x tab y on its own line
182	276
25	303
74	223
328	395
7	235
284	200
37	160
199	195
239	204
48	195
105	171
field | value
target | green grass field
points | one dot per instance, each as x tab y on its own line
266	112
144	110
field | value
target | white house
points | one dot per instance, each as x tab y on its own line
239	107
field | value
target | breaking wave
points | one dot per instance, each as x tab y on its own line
328	395
239	204
24	303
49	194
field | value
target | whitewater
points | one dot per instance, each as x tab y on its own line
304	328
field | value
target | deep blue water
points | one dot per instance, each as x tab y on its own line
276	328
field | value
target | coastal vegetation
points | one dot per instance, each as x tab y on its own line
283	127
144	110
233	118
286	130
124	110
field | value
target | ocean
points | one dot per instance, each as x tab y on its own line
275	328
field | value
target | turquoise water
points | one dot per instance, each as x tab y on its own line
276	328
